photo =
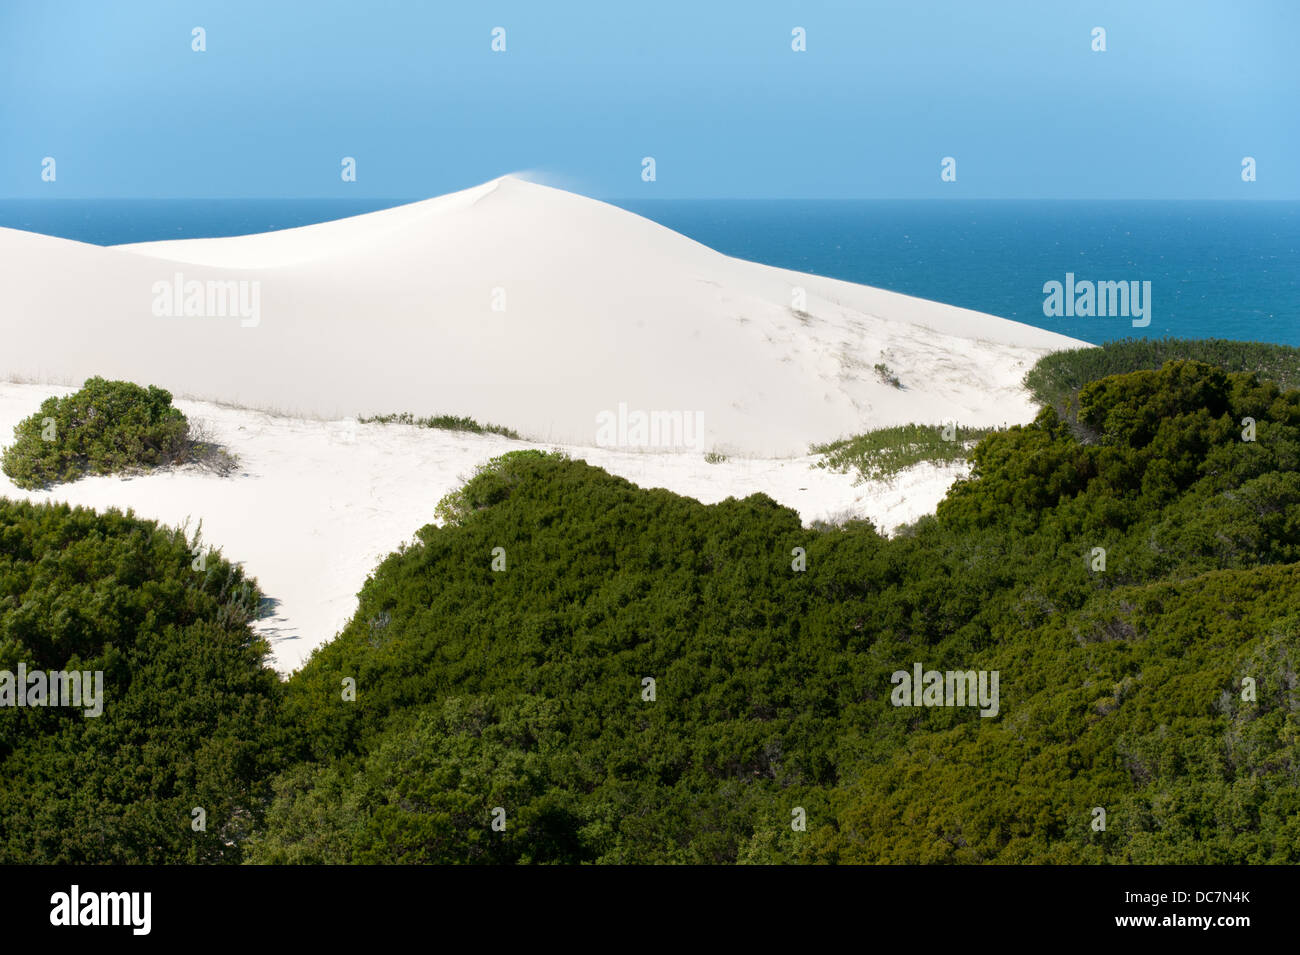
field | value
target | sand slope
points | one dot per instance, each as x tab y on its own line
392	311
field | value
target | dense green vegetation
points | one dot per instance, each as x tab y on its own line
188	711
108	427
882	453
443	422
1055	379
521	688
1132	573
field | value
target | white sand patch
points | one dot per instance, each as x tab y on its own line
317	504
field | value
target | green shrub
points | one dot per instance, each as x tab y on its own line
108	427
189	713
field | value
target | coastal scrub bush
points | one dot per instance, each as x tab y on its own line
188	714
108	427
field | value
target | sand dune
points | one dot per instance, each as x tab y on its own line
393	311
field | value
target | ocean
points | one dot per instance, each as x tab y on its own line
1216	269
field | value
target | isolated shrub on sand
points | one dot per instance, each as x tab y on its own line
105	428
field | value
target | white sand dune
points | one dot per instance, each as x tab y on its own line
393	311
317	504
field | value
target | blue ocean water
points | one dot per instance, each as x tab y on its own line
1217	269
119	221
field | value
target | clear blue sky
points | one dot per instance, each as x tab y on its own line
710	88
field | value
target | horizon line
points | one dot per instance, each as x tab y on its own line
665	198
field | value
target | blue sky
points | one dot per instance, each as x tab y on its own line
712	90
